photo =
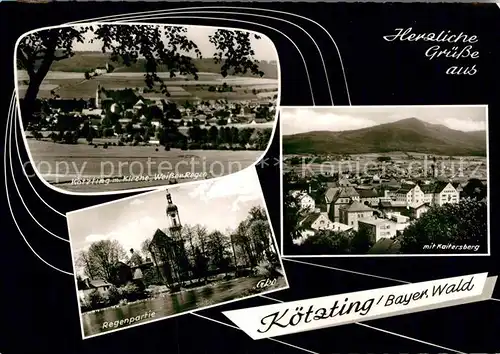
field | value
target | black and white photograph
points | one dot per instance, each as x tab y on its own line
172	251
115	107
385	180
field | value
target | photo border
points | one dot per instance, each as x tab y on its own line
488	226
104	22
246	170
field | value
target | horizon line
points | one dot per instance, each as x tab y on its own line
274	61
396	121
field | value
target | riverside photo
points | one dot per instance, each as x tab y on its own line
172	251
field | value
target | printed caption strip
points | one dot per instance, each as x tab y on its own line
313	314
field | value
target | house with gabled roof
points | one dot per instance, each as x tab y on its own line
306	202
417	210
86	286
445	193
350	214
368	196
337	197
410	193
315	222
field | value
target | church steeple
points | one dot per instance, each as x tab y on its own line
173	215
98	96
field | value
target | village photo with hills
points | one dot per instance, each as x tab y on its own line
172	251
115	107
385	180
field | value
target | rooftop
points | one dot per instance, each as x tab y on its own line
376	221
356	206
309	220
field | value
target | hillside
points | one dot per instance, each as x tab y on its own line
88	61
409	134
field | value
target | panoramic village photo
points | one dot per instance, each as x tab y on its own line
174	250
108	107
385	180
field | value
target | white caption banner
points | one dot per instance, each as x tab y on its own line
311	314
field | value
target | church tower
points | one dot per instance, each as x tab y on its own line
175	225
98	96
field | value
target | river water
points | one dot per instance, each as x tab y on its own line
168	305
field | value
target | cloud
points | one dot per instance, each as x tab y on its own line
465	125
244	184
95	238
129	235
235	206
306	120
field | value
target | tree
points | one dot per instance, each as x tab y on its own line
188	235
200	264
362	241
129	128
291	215
145	247
218	249
242	239
327	242
475	189
127	45
201	238
213	134
99	261
260	232
118	128
135	258
463	223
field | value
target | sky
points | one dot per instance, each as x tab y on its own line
263	47
301	120
218	205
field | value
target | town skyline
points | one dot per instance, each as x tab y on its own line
462	118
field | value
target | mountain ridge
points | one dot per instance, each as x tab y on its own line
409	134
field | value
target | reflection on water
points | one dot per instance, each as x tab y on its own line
167	305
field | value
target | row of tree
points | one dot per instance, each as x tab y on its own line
207	252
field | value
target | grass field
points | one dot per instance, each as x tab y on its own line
81	62
59	164
69	85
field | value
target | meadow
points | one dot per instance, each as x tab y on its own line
60	164
69	85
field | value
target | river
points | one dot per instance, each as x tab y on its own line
168	305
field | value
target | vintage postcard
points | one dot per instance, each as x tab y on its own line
385	180
114	107
173	251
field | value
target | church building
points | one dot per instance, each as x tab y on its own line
168	250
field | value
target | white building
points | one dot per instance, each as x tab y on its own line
315	222
445	194
379	228
438	193
402	221
410	193
350	214
306	202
